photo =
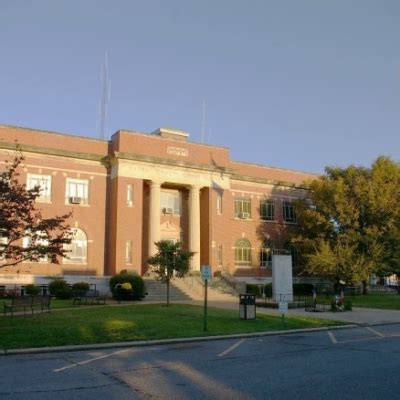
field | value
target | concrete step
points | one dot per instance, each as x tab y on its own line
157	291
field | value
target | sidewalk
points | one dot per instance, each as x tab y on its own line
359	316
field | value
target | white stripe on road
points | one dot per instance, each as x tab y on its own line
332	337
233	347
376	332
90	360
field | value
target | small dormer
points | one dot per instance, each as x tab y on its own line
171	133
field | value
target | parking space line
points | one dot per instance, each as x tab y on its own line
233	347
374	331
332	337
90	360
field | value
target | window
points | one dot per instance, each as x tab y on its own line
219	203
266	254
32	240
3	244
77	191
243	252
289	213
128	252
243	208
171	203
219	254
77	249
41	181
267	210
129	195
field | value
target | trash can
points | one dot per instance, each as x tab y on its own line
247	306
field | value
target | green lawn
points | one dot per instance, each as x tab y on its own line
102	324
377	300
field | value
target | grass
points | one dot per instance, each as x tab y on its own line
104	324
377	300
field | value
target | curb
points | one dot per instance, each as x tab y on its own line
159	342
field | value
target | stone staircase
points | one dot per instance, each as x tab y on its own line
157	291
188	288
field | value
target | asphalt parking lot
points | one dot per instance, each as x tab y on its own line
355	363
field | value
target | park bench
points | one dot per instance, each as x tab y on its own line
90	296
27	302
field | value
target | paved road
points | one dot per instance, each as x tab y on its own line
359	363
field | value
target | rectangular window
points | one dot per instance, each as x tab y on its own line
289	213
171	203
243	208
219	254
129	195
41	181
128	252
77	191
267	210
39	240
219	203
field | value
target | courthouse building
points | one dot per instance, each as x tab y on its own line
138	188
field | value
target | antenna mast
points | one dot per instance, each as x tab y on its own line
105	98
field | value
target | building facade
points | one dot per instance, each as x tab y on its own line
136	189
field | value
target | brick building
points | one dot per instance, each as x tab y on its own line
138	188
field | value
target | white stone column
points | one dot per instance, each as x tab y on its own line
194	226
155	214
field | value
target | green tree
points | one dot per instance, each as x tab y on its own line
170	259
20	218
350	224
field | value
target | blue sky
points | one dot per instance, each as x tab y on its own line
297	84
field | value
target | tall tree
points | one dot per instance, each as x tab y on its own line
170	259
350	225
24	234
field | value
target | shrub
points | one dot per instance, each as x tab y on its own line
303	289
80	287
253	289
32	290
258	290
60	289
348	305
137	286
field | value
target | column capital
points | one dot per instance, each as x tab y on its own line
194	187
155	184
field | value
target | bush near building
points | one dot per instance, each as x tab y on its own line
32	290
60	289
137	283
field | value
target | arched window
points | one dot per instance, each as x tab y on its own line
243	252
77	249
266	254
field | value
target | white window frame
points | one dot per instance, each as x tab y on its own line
243	206
44	182
219	203
72	258
171	200
128	252
289	212
77	192
266	252
129	195
243	253
265	206
26	242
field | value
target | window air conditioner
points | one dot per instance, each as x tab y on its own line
244	215
168	210
75	200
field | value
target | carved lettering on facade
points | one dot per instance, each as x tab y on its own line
177	151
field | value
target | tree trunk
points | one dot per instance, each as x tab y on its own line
167	292
365	287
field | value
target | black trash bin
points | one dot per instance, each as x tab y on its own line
247	306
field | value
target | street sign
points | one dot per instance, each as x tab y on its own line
283	307
206	272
